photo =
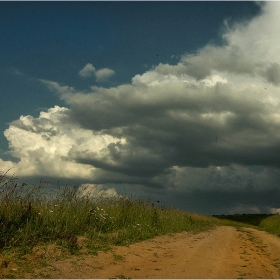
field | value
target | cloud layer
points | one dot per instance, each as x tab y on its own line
206	129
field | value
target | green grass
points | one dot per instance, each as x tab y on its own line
30	216
271	224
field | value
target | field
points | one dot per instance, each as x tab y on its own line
31	216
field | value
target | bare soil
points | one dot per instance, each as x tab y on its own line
224	252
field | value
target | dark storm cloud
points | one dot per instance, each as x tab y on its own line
133	161
176	124
228	202
228	190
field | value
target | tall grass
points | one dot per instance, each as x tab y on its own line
31	215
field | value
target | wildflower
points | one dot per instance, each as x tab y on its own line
51	211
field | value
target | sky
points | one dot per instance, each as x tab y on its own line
169	101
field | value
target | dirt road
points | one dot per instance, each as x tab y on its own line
224	252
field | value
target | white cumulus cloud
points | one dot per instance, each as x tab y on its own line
42	145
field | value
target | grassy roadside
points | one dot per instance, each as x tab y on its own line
29	216
38	225
33	220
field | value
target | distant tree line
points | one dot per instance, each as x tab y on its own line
252	219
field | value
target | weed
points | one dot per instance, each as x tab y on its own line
43	263
68	240
118	257
5	264
95	247
9	276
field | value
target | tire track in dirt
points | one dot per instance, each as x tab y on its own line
224	252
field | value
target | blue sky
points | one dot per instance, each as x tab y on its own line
172	101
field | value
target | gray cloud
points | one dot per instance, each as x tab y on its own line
273	74
212	190
189	126
230	59
221	201
231	189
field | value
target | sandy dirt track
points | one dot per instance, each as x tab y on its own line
224	252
